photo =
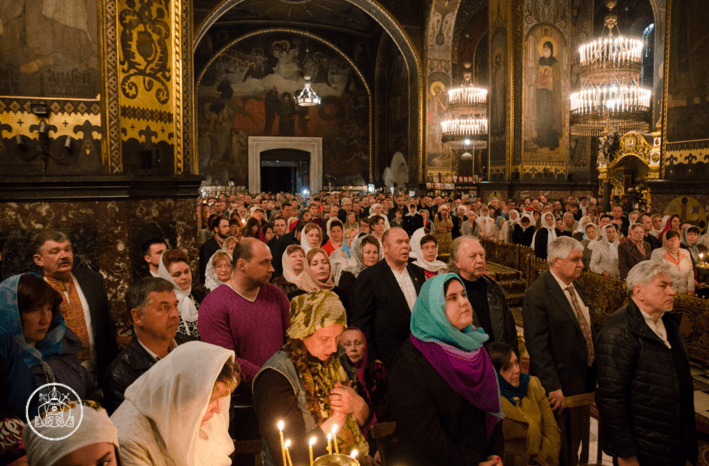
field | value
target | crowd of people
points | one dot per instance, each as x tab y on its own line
340	311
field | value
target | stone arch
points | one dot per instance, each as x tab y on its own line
400	38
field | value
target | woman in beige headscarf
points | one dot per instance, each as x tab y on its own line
177	413
307	386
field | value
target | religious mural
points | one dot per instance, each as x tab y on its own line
438	156
688	106
249	89
546	94
396	103
49	48
499	90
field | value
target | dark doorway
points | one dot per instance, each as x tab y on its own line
285	170
275	179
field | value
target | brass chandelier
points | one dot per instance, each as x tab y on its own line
610	95
467	120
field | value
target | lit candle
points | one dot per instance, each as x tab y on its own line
334	439
281	425
311	442
287	444
354	453
329	443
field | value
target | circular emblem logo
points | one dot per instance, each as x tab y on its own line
60	411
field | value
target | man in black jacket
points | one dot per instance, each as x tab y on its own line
153	309
385	295
220	228
281	245
645	394
490	310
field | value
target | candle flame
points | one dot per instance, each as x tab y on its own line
287	444
312	441
281	425
334	430
329	436
354	453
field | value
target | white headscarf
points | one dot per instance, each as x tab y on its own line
382	215
186	306
435	265
211	281
288	272
95	428
304	240
582	226
529	217
175	393
514	221
550	228
612	247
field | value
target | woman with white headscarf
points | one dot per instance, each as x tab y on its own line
590	239
175	268
218	271
293	262
311	237
545	235
424	248
523	232
177	413
507	226
364	252
93	441
604	258
486	224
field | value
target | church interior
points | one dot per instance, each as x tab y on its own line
117	116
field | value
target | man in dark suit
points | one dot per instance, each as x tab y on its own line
220	228
84	300
385	295
153	309
558	329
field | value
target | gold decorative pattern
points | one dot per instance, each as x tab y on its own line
177	83
633	144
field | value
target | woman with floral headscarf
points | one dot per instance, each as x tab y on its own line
307	386
443	390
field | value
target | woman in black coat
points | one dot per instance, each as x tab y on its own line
442	389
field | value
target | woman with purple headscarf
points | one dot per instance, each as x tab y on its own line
443	389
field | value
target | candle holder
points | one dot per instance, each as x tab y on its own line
328	460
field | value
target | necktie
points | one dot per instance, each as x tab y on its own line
641	248
585	328
73	313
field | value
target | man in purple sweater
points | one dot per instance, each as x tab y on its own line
250	317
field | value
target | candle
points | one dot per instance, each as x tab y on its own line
334	439
354	453
286	445
310	449
329	443
281	425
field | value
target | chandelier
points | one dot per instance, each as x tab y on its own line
610	94
307	97
467	121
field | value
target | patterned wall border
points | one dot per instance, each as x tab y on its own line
111	145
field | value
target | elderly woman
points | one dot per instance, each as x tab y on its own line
175	268
218	272
679	260
377	209
532	435
94	441
507	226
442	226
442	387
311	237
588	242
604	257
177	413
365	252
33	328
307	386
486	224
424	248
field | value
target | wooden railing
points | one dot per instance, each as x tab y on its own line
607	295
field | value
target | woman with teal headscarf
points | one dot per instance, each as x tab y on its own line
32	325
443	388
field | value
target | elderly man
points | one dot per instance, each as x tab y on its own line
84	300
633	251
558	330
385	294
490	310
153	309
645	394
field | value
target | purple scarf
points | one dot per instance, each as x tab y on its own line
470	373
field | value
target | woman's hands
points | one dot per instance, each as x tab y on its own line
345	400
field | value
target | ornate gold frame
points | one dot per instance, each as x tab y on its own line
302	33
633	144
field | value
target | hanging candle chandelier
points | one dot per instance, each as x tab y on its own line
307	97
610	95
466	123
